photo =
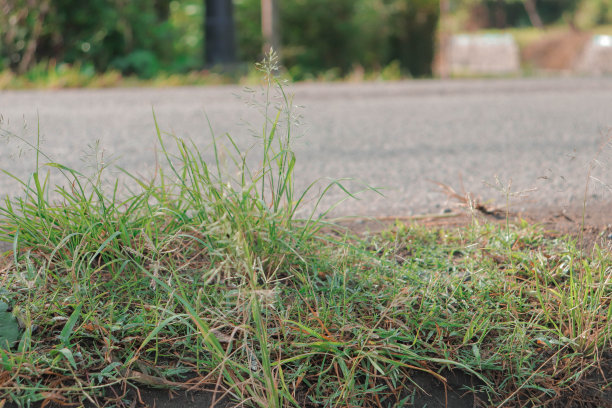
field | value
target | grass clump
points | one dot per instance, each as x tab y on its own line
201	280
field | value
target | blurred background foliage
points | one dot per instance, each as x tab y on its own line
146	38
475	14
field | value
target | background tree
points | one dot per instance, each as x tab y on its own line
518	13
22	23
532	12
130	36
270	27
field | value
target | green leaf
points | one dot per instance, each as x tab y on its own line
69	327
9	327
476	352
69	356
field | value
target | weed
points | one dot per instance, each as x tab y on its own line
202	278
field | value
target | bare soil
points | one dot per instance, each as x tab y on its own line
589	225
557	51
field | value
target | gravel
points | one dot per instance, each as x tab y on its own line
540	135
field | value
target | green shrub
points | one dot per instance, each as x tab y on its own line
319	35
143	37
103	33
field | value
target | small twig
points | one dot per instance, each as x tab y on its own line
397	218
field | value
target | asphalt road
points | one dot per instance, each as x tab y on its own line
542	134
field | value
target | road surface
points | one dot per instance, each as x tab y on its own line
542	134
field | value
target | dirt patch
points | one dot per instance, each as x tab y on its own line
593	391
589	225
557	51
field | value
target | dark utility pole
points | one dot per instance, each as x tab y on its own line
219	32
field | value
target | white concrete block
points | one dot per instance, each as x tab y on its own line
596	58
483	54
